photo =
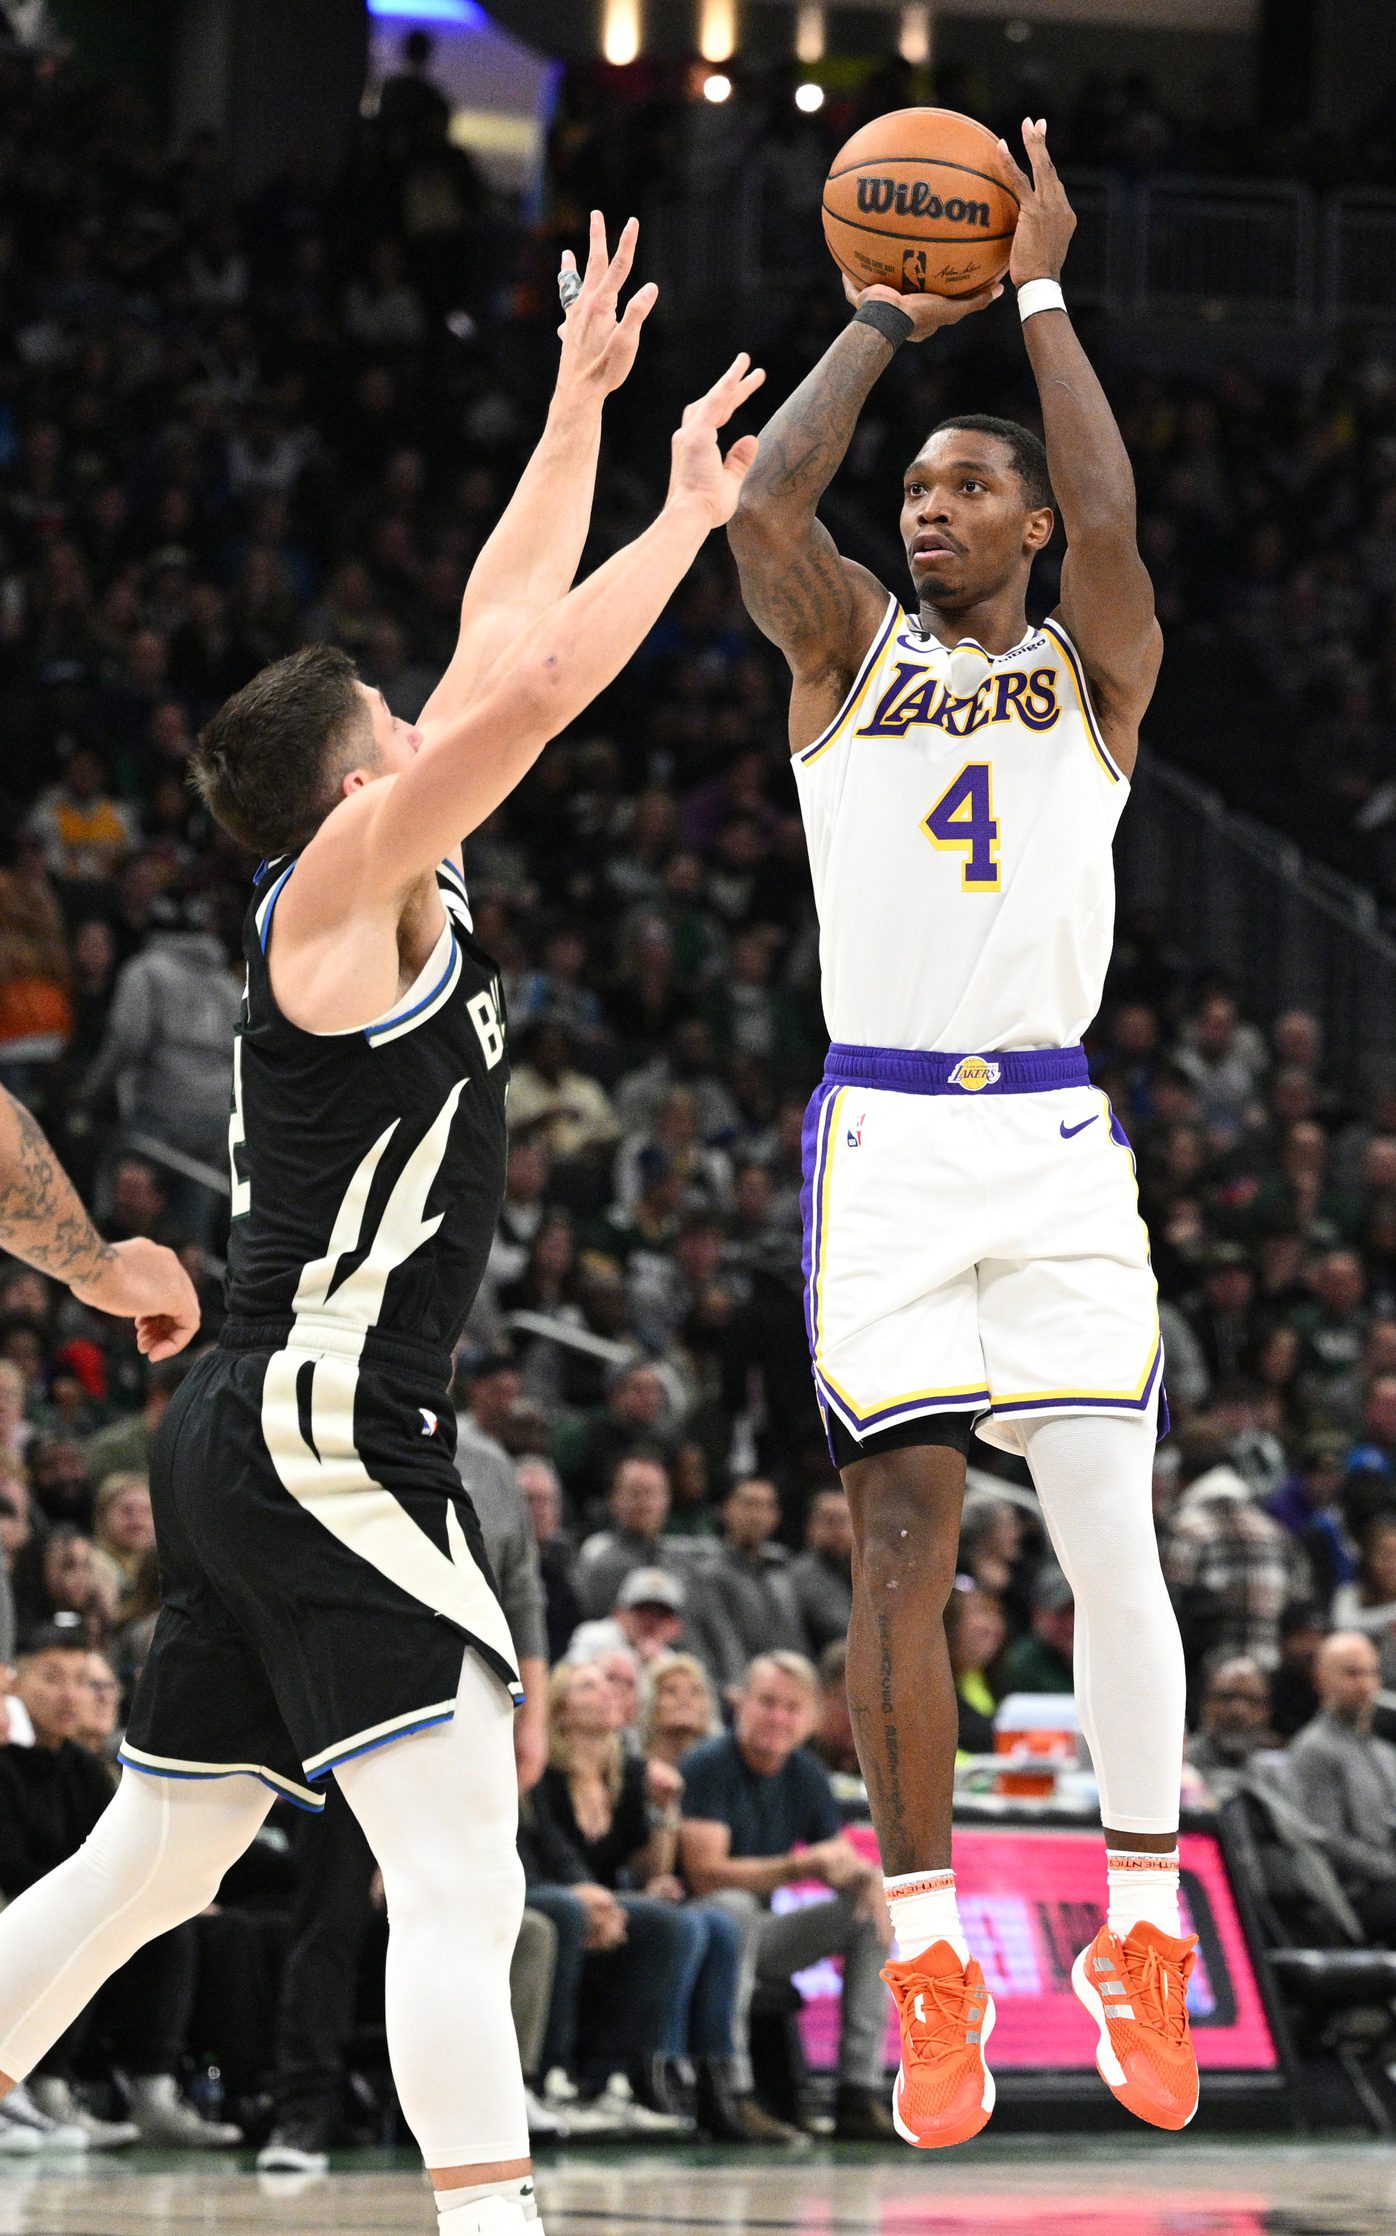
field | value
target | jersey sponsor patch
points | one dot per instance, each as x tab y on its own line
974	1074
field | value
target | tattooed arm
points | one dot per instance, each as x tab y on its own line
821	609
43	1222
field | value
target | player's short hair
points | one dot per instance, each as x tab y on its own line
270	764
1029	457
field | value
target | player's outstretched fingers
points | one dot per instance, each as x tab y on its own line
618	270
1015	176
728	393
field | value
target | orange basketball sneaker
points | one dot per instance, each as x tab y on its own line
944	2091
1136	1990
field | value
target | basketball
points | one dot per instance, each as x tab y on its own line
916	201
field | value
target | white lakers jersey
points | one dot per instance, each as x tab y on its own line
960	810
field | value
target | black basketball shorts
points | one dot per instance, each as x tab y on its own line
322	1565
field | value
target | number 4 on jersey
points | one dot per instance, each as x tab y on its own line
963	817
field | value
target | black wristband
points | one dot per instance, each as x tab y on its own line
893	325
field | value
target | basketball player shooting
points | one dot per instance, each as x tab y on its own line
974	1251
328	1605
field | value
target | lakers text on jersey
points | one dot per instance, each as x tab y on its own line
972	1232
324	1569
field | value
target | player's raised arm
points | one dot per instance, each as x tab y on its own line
1107	599
574	648
532	554
43	1222
820	608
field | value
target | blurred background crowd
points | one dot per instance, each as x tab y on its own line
230	425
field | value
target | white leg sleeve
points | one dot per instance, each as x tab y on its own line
440	1812
155	1857
1094	1478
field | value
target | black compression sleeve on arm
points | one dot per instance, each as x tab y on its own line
893	325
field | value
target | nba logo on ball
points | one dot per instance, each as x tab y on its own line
913	271
974	1074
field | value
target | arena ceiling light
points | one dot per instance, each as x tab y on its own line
716	87
462	15
621	30
717	30
914	34
808	98
810	34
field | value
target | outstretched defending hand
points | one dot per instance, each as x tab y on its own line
598	349
144	1282
699	468
928	313
1046	220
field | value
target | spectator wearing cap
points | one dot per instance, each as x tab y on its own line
743	1600
648	1618
759	1814
1040	1662
821	1577
1344	1779
1230	1567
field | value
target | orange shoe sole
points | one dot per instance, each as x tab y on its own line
970	2127
1108	2065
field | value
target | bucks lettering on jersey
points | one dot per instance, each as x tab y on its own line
368	1166
960	810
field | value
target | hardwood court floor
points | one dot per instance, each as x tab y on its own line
1053	2187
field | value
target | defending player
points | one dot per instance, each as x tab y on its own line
324	1572
974	1251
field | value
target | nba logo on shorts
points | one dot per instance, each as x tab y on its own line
974	1074
913	270
855	1133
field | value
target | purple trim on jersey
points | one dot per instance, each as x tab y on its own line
918	1071
1095	1404
809	1205
966	1401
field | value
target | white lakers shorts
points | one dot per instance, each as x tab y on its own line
973	1243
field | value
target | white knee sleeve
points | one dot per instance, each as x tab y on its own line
155	1857
440	1812
1094	1477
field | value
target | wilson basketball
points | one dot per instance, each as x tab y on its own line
916	201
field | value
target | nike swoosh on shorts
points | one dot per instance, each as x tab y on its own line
1068	1131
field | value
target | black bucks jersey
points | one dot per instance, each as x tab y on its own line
322	1565
368	1166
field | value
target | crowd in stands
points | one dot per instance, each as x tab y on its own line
227	429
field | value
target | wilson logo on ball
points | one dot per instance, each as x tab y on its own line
879	197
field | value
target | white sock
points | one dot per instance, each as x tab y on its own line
924	1910
1142	1887
451	2203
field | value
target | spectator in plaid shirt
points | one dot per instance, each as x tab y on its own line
1230	1566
